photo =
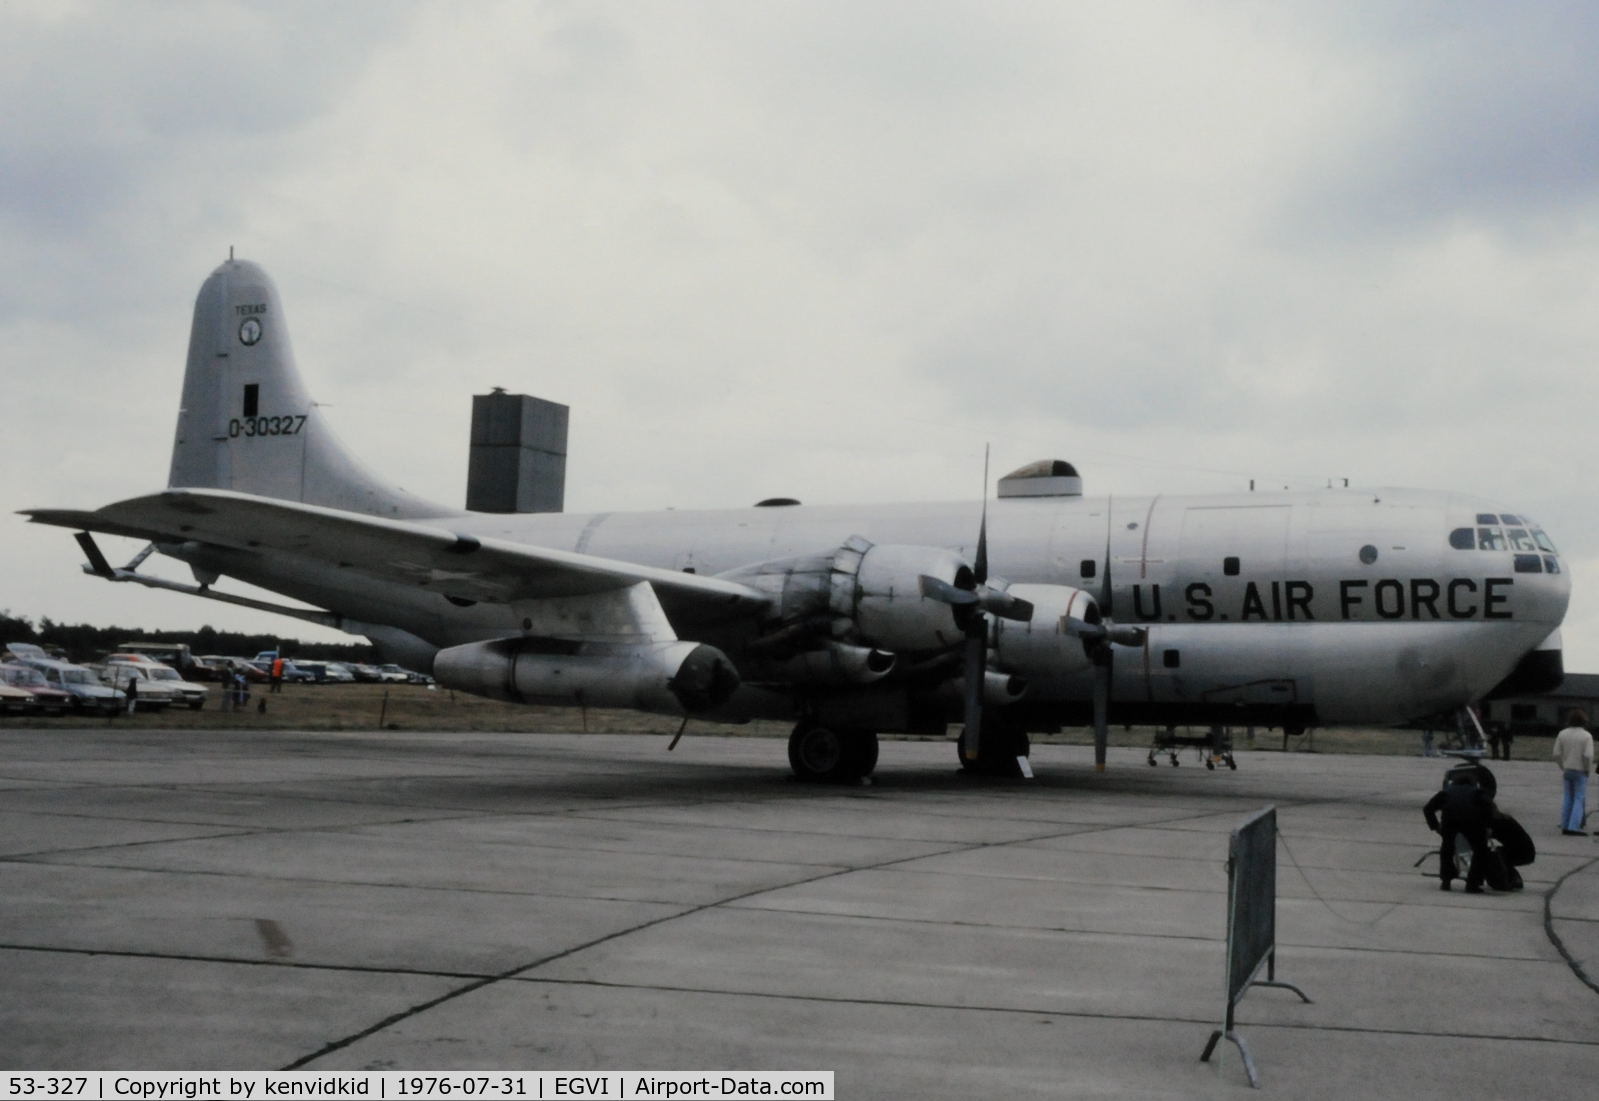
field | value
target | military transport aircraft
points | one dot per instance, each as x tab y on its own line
1273	609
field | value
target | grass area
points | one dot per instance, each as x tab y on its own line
413	707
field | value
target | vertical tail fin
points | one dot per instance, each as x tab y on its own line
247	422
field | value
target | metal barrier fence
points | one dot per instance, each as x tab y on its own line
1251	923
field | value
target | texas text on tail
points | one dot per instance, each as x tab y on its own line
1273	609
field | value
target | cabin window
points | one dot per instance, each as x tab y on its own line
1551	564
1529	563
1463	539
1230	565
1088	568
252	399
1368	554
1171	659
1490	539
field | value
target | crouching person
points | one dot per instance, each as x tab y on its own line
1461	809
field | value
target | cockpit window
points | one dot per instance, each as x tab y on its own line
1520	534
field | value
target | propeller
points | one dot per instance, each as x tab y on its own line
1100	634
974	604
984	602
975	649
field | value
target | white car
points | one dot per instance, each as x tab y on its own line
151	694
188	692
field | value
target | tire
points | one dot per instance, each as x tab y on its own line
997	751
821	754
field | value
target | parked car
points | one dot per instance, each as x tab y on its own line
17	701
52	701
89	692
27	651
185	692
393	674
252	673
326	672
149	695
365	672
292	673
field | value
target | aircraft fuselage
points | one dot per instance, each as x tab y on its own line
1293	608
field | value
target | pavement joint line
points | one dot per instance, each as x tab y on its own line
379	884
1065	1014
1217	941
40	856
240	961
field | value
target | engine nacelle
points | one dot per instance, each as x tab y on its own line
892	606
890	597
1050	646
668	678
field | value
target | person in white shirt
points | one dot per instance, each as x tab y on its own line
1574	754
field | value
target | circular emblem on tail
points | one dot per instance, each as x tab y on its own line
250	331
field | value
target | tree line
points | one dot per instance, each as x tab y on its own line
83	642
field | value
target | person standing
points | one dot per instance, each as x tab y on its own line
1574	754
277	674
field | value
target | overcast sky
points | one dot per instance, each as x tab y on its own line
821	250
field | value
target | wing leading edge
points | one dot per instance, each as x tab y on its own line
410	552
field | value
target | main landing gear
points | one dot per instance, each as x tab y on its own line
1000	751
836	755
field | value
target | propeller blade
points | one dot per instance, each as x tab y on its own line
976	663
935	588
980	566
1102	672
1105	591
997	602
1122	634
1102	655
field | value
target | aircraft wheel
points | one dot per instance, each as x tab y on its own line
1232	764
820	753
998	750
1210	765
861	746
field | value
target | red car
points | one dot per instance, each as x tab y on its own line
52	701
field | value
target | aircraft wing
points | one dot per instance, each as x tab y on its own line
426	553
